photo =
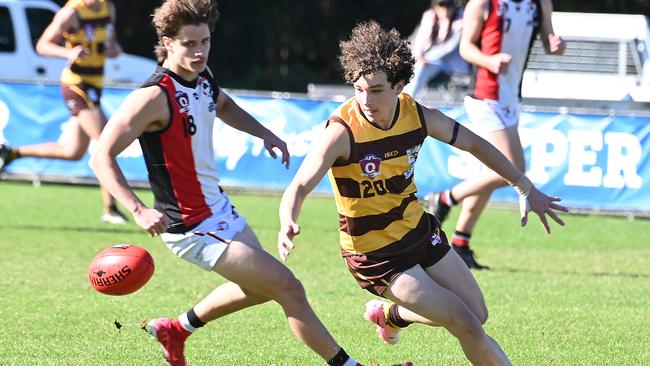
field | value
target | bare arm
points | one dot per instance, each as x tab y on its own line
473	21
48	45
113	48
143	110
236	117
553	44
439	51
422	39
441	127
334	144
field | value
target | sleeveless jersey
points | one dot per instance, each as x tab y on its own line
94	29
511	27
374	188
180	158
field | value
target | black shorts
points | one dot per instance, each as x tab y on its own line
80	96
375	270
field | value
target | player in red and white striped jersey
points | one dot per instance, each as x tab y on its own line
497	38
173	115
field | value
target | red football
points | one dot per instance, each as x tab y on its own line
121	269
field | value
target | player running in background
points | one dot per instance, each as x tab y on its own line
392	247
87	28
497	37
173	115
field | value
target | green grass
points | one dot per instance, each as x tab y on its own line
580	296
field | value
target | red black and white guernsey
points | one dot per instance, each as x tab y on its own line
511	27
180	158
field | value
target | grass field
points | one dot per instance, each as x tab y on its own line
580	296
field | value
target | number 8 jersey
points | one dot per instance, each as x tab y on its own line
180	158
374	188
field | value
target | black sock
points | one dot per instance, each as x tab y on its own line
339	359
194	319
395	319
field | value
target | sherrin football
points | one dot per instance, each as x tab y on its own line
121	269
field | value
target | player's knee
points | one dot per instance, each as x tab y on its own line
290	289
464	324
481	313
74	154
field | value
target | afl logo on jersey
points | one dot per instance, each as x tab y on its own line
370	166
183	101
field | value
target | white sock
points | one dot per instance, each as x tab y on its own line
186	323
350	362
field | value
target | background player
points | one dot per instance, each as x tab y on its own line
87	28
497	37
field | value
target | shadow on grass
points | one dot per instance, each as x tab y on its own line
86	229
572	273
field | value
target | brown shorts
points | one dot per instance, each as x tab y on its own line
375	270
81	96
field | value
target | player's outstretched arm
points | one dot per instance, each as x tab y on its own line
143	110
113	48
442	128
238	118
48	44
553	44
334	144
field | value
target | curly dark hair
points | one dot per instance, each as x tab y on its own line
374	49
173	14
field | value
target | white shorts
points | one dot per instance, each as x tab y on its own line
207	242
489	115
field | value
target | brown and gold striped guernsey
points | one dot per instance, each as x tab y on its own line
94	29
374	189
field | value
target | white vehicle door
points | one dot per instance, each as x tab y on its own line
12	61
38	16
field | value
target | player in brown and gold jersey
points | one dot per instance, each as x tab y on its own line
391	246
86	26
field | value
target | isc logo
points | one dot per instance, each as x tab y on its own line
391	154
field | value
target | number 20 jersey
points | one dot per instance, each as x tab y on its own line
374	188
180	158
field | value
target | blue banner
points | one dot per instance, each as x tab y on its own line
597	162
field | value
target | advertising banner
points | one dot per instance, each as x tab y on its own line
591	161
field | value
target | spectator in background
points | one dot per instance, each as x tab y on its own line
497	36
436	45
87	28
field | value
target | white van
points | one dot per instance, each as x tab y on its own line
21	24
607	59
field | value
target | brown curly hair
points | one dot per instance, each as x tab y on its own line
374	49
173	14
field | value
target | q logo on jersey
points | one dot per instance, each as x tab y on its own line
370	166
183	101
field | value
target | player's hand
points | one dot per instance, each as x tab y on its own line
556	44
532	199
498	63
285	237
112	49
271	142
77	52
151	220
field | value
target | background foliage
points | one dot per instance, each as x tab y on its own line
285	44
